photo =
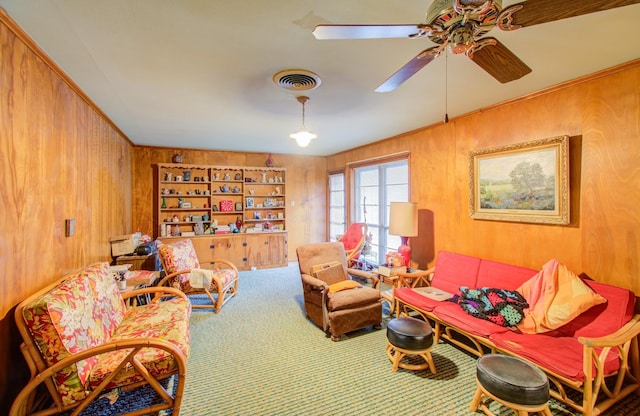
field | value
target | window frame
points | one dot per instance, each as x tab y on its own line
383	214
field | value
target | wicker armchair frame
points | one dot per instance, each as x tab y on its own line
28	401
224	292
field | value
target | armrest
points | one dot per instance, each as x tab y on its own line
313	282
20	404
625	334
212	262
365	275
160	292
411	280
165	280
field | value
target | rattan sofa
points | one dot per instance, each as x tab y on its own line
592	361
83	338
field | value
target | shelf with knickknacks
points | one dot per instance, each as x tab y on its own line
215	209
221	192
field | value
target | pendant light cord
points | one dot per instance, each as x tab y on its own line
446	86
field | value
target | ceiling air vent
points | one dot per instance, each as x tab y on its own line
297	80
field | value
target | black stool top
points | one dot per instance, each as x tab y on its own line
410	333
512	379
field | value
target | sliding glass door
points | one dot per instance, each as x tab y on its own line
375	186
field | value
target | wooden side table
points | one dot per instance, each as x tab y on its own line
412	278
140	280
147	262
387	295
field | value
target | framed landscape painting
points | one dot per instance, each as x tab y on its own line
525	182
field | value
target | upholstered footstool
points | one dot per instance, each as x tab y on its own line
512	382
409	336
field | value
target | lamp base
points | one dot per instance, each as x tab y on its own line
405	251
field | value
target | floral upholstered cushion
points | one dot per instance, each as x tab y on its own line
177	256
224	276
80	313
168	321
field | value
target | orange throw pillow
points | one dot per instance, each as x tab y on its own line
343	285
555	296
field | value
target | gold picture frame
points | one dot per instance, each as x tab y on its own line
524	182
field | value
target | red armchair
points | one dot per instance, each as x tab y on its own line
353	241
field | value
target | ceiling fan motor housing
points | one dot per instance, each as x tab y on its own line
477	18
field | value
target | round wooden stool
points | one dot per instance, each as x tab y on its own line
409	336
512	382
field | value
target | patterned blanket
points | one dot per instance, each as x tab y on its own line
502	307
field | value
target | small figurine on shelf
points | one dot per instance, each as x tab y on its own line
269	162
177	158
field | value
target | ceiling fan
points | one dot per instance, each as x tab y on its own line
460	25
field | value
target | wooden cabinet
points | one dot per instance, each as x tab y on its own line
266	249
206	202
260	250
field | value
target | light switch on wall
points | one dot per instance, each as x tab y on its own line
69	227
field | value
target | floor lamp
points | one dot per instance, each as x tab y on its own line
403	221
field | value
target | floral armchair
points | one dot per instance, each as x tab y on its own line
218	280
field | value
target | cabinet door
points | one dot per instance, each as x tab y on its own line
266	250
225	248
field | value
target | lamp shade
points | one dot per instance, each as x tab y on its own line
403	219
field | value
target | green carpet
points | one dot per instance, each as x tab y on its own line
262	356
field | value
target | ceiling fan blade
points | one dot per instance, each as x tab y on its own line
499	61
365	31
534	12
409	69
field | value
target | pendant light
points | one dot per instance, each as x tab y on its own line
303	136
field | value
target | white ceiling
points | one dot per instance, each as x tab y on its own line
198	73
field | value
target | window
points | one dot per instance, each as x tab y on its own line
375	187
337	214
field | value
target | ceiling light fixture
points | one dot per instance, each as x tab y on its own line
303	136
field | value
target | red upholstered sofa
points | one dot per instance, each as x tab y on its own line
594	356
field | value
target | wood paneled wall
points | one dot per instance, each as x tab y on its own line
601	113
61	158
306	187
